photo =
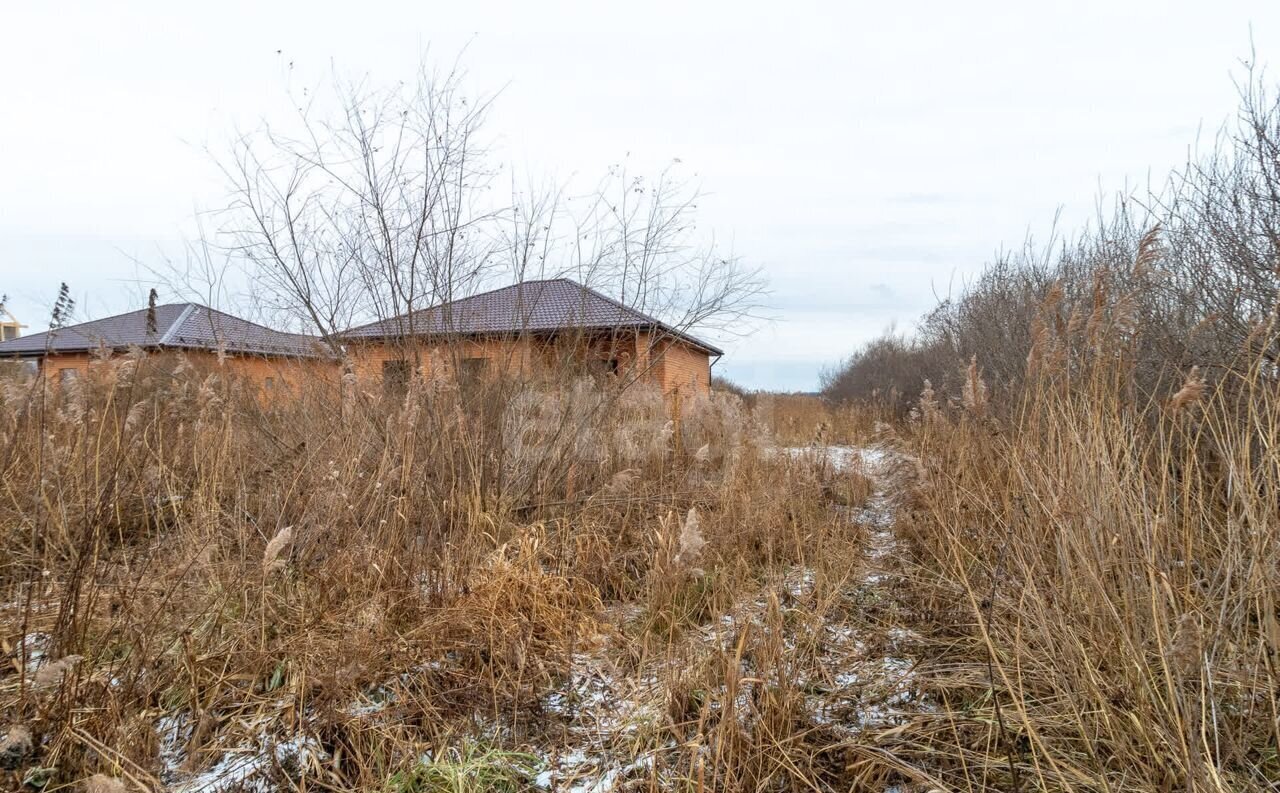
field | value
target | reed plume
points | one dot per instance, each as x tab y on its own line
52	673
271	557
973	394
1193	389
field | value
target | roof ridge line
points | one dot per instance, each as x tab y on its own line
439	304
619	303
177	323
239	318
665	326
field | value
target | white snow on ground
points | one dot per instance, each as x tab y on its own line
378	698
36	645
866	691
599	701
174	730
577	772
600	707
251	769
245	769
859	691
841	458
800	582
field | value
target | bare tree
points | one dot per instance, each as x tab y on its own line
385	205
637	239
376	208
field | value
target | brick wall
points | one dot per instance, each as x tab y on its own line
524	357
668	363
269	373
682	367
511	356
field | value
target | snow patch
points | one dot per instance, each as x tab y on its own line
245	769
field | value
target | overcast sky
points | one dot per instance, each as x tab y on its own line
867	156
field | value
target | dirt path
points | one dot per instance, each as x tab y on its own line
881	686
860	679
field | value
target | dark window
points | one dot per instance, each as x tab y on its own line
395	378
269	383
67	375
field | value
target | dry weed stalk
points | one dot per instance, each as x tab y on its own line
691	543
1150	250
973	395
622	481
929	410
1185	649
703	454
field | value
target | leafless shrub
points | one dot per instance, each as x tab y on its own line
1192	265
1095	559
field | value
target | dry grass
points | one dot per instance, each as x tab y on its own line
545	587
1099	578
803	419
535	584
1091	525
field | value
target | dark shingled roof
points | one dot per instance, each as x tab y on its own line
529	307
180	326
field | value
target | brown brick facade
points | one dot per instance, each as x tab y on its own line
270	374
671	364
682	368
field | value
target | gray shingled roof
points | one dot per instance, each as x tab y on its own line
529	307
178	326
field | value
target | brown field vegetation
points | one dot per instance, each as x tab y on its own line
490	593
1093	542
448	592
1035	546
1099	579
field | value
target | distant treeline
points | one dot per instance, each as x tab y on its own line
1184	276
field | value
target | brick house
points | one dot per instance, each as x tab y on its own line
269	358
519	330
528	327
